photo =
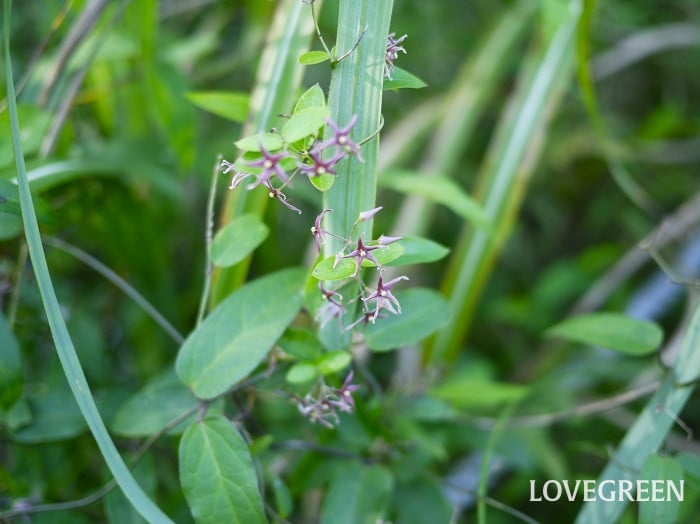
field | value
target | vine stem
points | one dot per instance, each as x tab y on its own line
208	235
118	281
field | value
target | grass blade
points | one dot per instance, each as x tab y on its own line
64	345
462	108
502	181
627	184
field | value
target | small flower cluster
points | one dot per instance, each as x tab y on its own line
374	300
269	168
321	408
393	47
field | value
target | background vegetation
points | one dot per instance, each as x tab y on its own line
120	158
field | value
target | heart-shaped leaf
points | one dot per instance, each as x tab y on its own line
313	97
150	409
237	335
304	123
217	474
237	239
229	105
401	79
612	331
345	267
313	57
270	141
417	250
423	311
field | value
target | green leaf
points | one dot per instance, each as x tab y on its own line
304	123
466	391
323	182
401	79
283	498
358	494
150	409
423	311
661	504
302	344
612	331
345	268
334	361
217	474
18	416
650	429
237	239
301	373
35	121
440	190
10	225
229	105
418	250
313	57
55	416
237	335
420	502
11	378
313	97
270	141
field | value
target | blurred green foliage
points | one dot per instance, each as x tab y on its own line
126	180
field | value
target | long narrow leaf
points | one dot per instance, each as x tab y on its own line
620	174
64	344
462	108
503	179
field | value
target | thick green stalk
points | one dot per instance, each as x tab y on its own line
502	181
277	82
64	345
356	88
651	428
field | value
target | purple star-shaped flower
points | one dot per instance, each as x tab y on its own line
320	167
384	240
331	308
384	298
345	402
341	139
281	197
393	47
360	253
317	231
270	165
